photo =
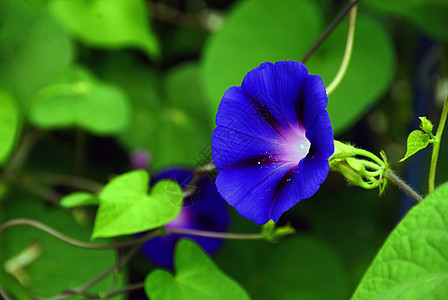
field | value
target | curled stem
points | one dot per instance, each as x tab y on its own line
71	181
347	53
74	242
404	186
436	147
81	290
129	288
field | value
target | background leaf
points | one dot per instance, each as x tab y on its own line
413	262
33	48
77	98
197	277
429	16
108	23
170	114
125	207
9	121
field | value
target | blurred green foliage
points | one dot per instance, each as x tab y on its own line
9	119
99	79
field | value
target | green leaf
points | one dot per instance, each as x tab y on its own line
413	262
426	125
248	39
417	140
197	278
126	208
108	23
76	98
79	199
59	266
9	121
33	48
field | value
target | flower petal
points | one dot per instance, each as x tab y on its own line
321	136
278	89
315	100
231	149
304	183
251	189
238	112
316	119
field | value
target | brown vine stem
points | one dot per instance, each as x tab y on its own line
129	288
404	186
22	152
74	242
36	189
197	175
81	290
329	30
70	181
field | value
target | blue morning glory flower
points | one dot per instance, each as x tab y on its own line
272	141
203	210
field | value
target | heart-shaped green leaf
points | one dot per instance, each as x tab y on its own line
126	208
79	199
413	262
77	98
108	23
417	140
197	278
9	120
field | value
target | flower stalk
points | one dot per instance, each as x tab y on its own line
436	147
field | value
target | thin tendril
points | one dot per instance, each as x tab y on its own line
329	30
347	53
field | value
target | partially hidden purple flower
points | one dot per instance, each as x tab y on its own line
203	210
272	141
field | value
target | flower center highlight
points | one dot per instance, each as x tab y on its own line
296	145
